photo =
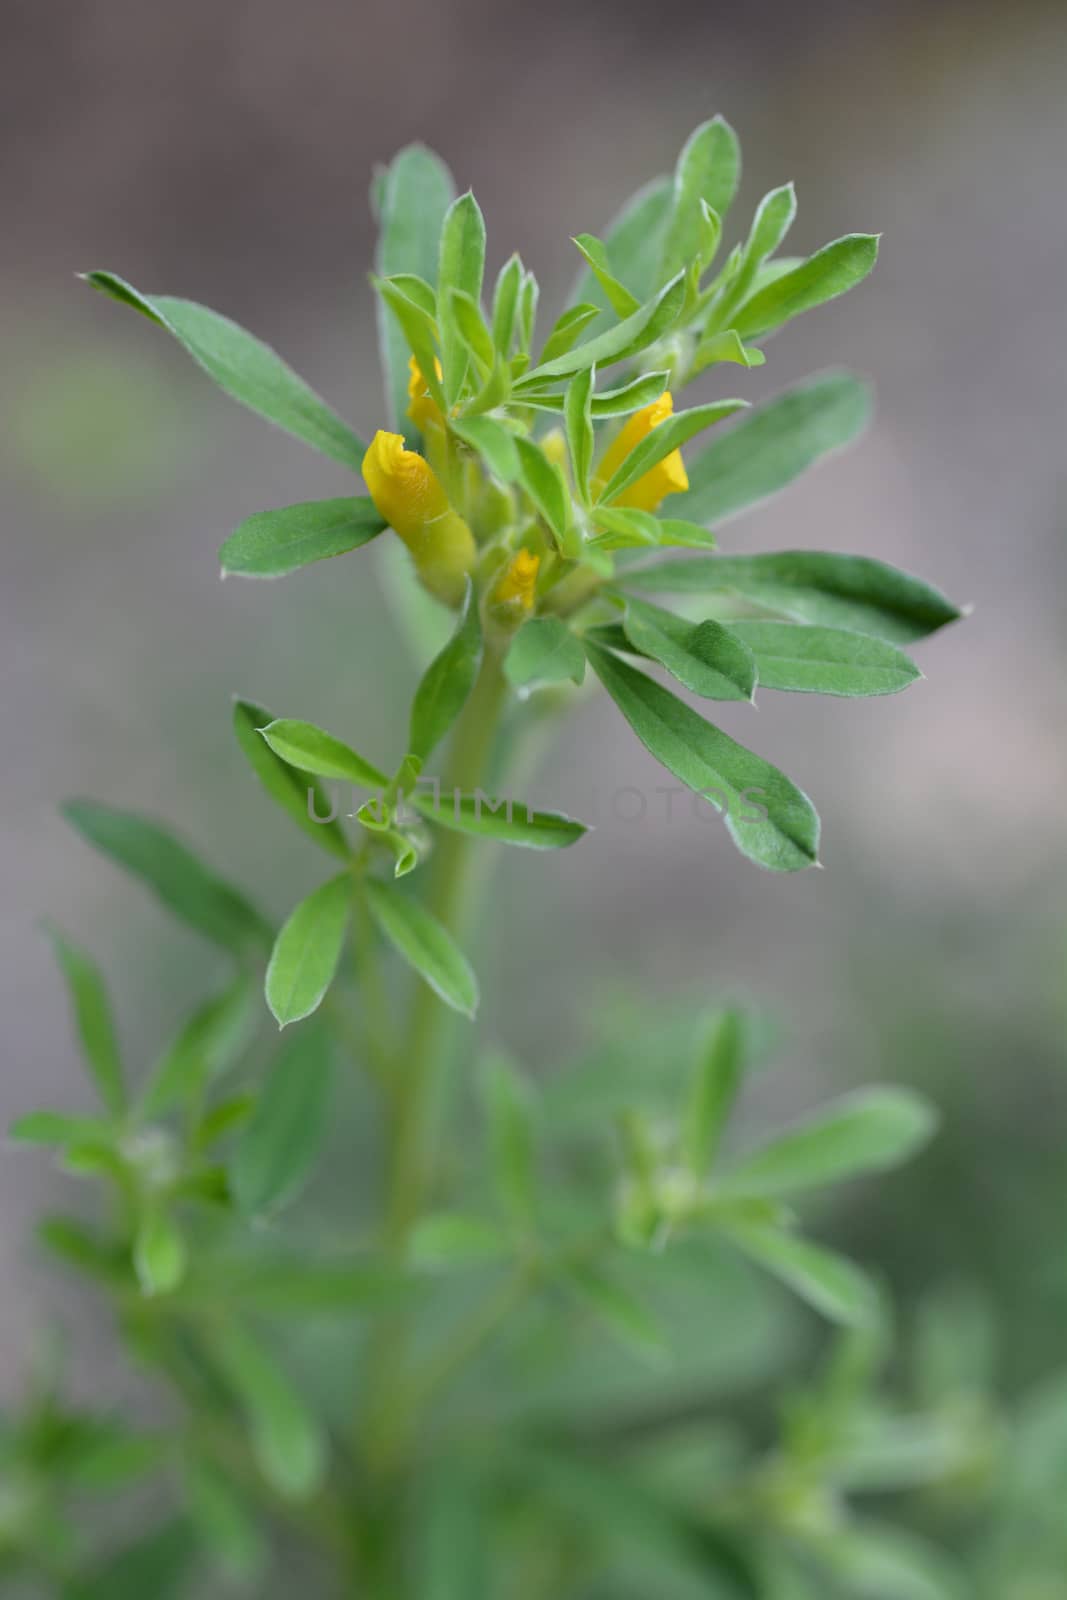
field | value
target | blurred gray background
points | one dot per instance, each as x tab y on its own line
224	153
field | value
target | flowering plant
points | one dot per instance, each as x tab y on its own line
477	1436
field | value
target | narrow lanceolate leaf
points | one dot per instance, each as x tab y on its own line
544	651
452	1238
416	191
307	950
619	402
824	660
770	820
281	1143
831	271
298	792
579	419
159	1252
772	222
447	681
725	347
506	304
492	441
593	250
272	543
425	945
94	1021
569	325
55	1128
461	266
543	482
704	656
670	435
626	339
181	881
712	1094
816	586
872	1130
289	1443
312	749
633	244
508	821
835	1287
245	367
709	169
627	528
207	1044
418	333
773	444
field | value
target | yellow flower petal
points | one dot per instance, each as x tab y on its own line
666	477
410	497
423	408
515	586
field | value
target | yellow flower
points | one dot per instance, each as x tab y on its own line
423	410
515	586
409	495
666	477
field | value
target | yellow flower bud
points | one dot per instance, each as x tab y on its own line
666	477
554	448
515	586
423	410
409	495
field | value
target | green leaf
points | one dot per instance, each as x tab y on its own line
207	1043
453	1239
244	367
725	347
835	1287
633	243
712	1093
668	435
54	1128
289	1443
765	450
471	327
506	304
94	1020
509	1114
529	295
566	330
82	1248
416	289
461	266
492	441
872	1130
297	792
815	586
627	528
280	1145
773	219
416	192
159	1252
831	271
313	1283
625	339
508	821
769	818
544	651
224	1523
447	681
579	420
619	298
307	951
705	657
272	543
824	660
618	1309
709	169
187	887
312	749
609	402
543	482
417	332
425	945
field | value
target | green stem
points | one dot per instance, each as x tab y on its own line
421	1048
411	1125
